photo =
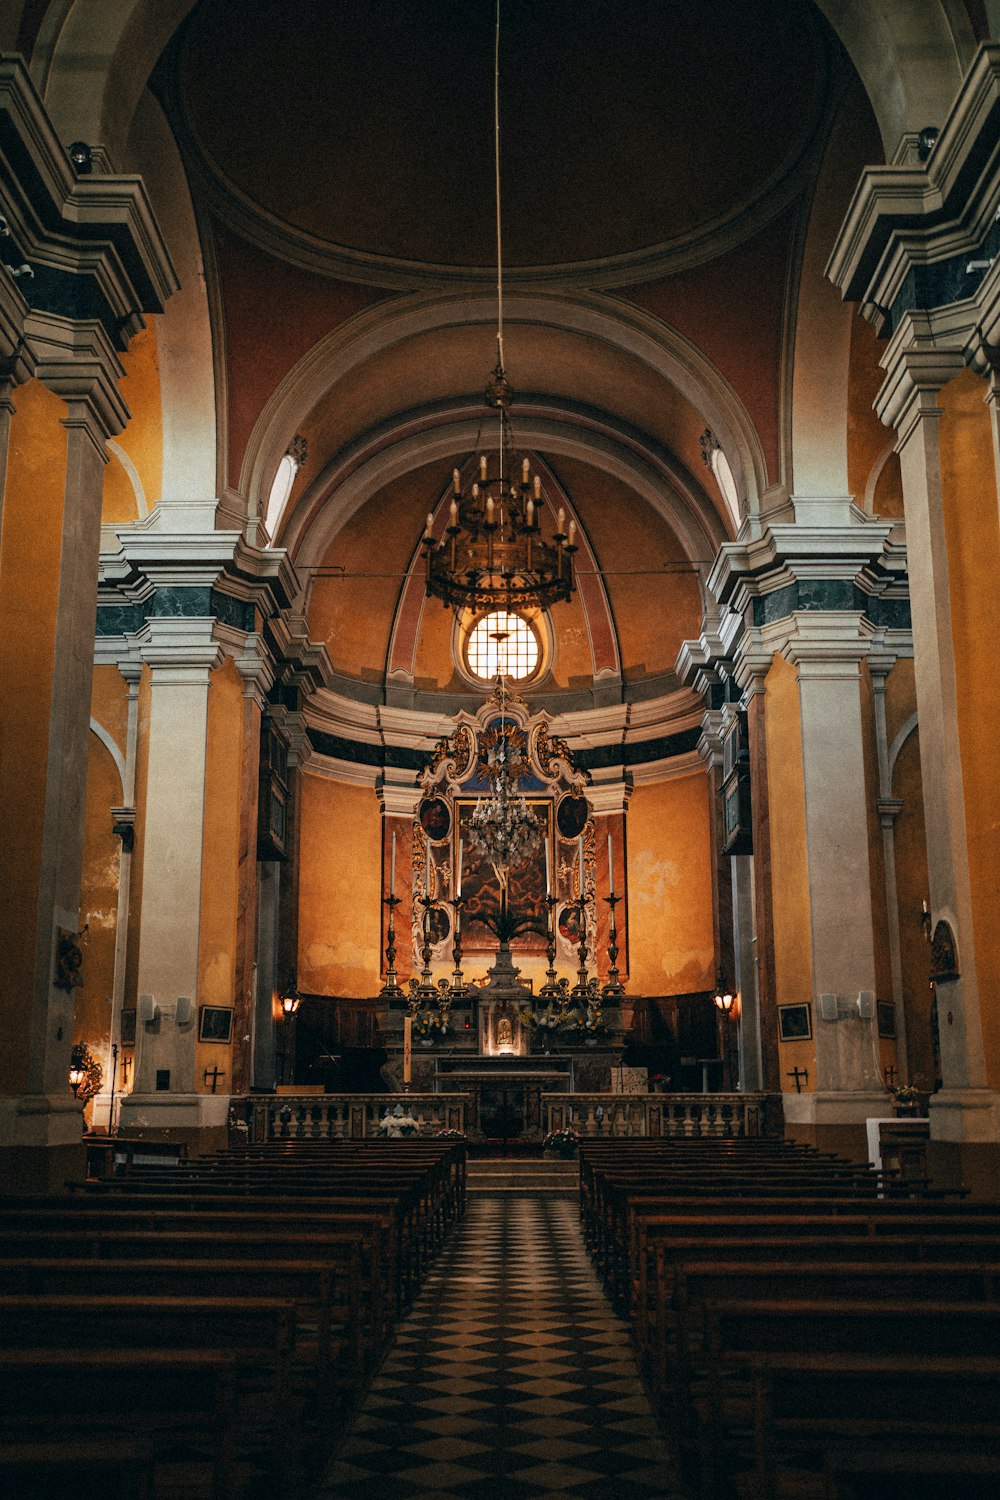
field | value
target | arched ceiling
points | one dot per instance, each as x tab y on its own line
624	127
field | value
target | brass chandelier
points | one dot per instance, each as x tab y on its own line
504	544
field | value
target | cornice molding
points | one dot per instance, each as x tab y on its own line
97	229
78	362
909	215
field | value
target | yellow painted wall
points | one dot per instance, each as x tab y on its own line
671	943
220	858
109	704
867	439
969	490
30	545
789	871
142	439
118	497
652	614
339	889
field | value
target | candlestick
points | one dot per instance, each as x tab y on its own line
457	982
614	986
391	989
551	986
548	868
407	1051
458	871
611	868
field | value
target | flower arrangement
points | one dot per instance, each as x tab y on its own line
549	1019
586	1027
905	1093
450	1135
564	1141
429	1025
660	1081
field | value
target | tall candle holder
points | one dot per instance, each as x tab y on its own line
550	988
581	990
614	985
425	992
391	989
458	985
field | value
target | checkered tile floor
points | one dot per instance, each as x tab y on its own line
511	1379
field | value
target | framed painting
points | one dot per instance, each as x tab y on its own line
215	1023
795	1022
481	890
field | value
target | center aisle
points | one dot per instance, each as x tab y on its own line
511	1378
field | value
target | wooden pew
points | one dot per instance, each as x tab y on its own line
326	1299
53	1468
183	1401
805	1401
724	1391
916	1468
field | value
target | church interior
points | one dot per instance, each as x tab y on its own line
498	513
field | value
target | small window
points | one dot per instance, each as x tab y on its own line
280	491
502	643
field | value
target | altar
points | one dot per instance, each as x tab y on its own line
489	874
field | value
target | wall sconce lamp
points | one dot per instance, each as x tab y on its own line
723	999
76	1077
290	1002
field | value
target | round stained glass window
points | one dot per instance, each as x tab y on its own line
502	643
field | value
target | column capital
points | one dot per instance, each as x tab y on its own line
752	664
917	365
294	731
78	362
609	792
710	745
256	669
397	793
822	643
880	664
181	650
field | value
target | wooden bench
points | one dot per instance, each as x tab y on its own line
724	1388
182	1401
802	1402
53	1468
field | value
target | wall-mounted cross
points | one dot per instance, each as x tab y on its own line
801	1076
213	1074
890	1076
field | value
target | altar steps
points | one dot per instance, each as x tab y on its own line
502	1174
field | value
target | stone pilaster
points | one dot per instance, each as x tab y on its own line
965	1110
181	654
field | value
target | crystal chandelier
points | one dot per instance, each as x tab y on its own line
503	829
505	544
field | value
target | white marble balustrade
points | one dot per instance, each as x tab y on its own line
665	1115
338	1117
